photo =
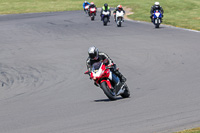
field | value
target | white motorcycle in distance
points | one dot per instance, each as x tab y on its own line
105	17
119	18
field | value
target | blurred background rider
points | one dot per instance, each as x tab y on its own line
105	8
85	3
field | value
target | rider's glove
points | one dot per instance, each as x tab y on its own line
105	62
96	84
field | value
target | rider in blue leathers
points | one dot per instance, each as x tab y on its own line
85	3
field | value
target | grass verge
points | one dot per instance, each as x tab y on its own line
194	130
179	13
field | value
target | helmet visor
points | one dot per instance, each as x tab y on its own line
93	55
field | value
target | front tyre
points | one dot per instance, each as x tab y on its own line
126	93
105	21
119	22
110	93
157	23
92	16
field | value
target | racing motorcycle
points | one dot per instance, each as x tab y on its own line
92	13
157	18
100	74
86	9
105	17
119	18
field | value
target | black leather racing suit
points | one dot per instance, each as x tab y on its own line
153	8
102	56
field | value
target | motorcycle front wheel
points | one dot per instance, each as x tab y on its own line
119	23
105	21
157	23
110	93
92	16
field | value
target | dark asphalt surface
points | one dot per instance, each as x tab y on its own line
43	88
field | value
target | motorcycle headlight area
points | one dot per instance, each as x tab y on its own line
97	73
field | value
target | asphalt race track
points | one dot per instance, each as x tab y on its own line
43	88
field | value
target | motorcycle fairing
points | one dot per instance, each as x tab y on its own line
157	14
107	82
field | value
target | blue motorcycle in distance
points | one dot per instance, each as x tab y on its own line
105	17
157	18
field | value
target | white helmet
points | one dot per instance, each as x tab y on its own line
157	3
85	2
93	53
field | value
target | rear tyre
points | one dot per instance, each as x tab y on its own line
110	93
126	93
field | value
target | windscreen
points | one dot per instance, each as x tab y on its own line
96	66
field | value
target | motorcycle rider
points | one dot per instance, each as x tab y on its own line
118	8
155	7
92	5
105	8
85	3
96	56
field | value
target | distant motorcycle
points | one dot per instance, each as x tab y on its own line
157	18
105	17
100	74
119	18
92	13
86	9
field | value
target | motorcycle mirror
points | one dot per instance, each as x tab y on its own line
87	72
105	61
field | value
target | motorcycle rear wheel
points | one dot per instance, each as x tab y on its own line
108	92
126	93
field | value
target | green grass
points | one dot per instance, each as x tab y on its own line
180	13
194	130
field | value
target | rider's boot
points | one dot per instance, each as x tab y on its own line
118	83
118	79
115	18
119	87
121	77
101	17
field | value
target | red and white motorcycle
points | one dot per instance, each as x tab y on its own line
101	74
86	9
92	13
